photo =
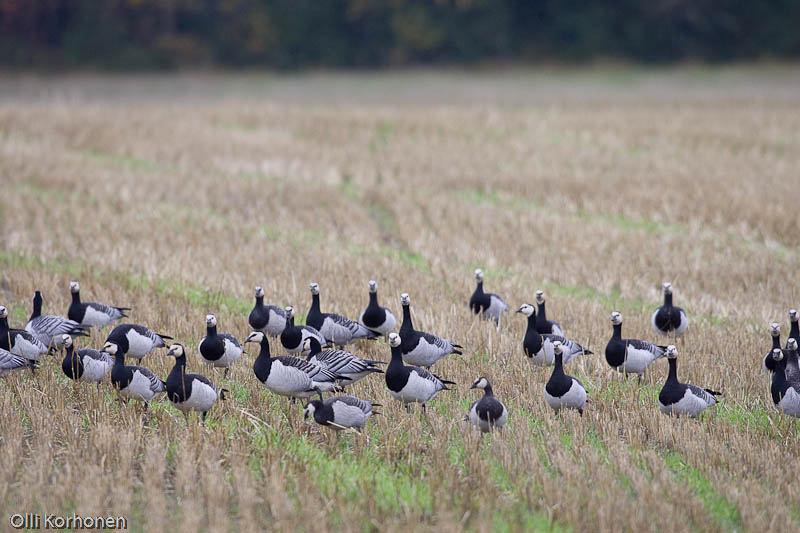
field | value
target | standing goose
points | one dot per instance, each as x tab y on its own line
420	348
92	314
340	362
219	349
410	384
287	375
669	320
19	342
487	413
293	336
86	364
190	392
48	329
377	319
338	330
10	362
539	347
136	341
544	326
769	362
794	329
270	319
630	356
791	363
340	412
785	394
562	390
132	382
486	303
678	398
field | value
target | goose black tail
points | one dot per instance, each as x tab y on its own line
222	393
165	337
713	392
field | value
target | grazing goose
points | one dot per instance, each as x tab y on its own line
338	330
340	362
10	362
486	303
487	413
630	356
562	390
678	398
132	382
420	348
86	364
544	326
769	362
270	319
539	347
668	319
48	329
293	336
19	342
377	319
92	314
287	375
794	329
136	341
219	349
785	394
340	412
190	392
410	384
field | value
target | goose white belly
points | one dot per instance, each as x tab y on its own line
575	397
348	415
203	397
689	405
94	370
138	388
790	403
636	361
275	324
417	389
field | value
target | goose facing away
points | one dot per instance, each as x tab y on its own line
678	398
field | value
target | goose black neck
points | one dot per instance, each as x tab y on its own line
558	365
373	298
211	330
617	331
119	359
76	297
264	351
180	360
532	322
667	300
673	371
541	313
407	324
315	303
259	301
37	305
70	349
776	341
487	391
290	321
479	288
794	331
397	356
4	324
315	347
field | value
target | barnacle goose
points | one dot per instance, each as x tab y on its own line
678	398
410	384
488	304
790	363
630	356
136	341
48	329
544	326
338	330
132	382
340	412
270	319
19	342
92	314
340	362
539	347
293	336
287	375
190	392
219	349
794	329
785	392
669	319
769	362
487	413
86	364
420	348
562	390
378	319
10	362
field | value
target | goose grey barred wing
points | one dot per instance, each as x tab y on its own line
658	351
355	402
570	346
158	339
156	384
315	372
439	342
424	374
202	379
44	328
341	362
113	312
310	331
231	338
703	394
10	361
97	355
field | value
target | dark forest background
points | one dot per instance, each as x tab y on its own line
165	34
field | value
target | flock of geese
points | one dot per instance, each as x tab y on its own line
318	362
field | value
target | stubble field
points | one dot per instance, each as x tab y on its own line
177	195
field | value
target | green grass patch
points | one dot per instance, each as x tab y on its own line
407	257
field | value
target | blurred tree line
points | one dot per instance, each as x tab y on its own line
145	34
